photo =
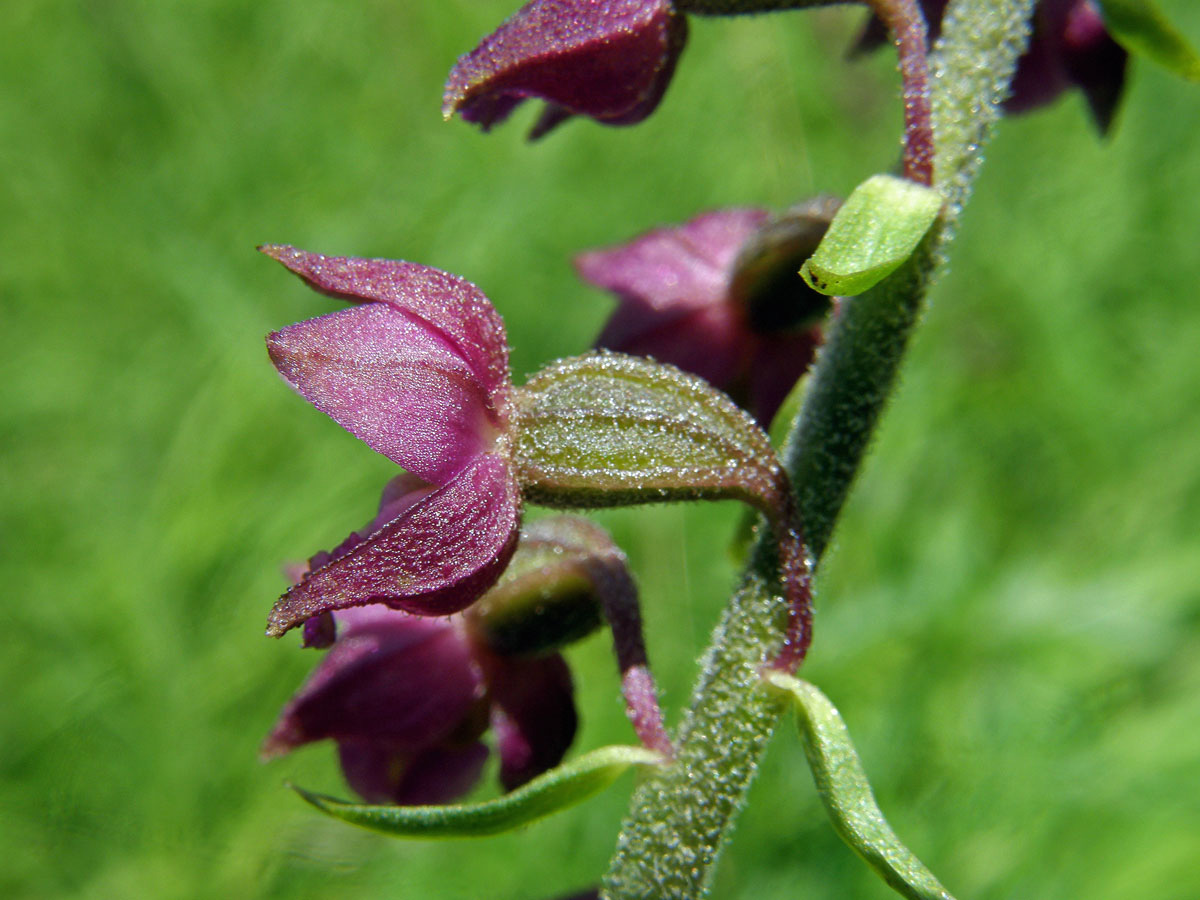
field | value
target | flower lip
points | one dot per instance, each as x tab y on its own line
611	61
405	680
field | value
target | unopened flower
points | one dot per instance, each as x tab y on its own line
720	297
1069	48
609	60
417	369
407	699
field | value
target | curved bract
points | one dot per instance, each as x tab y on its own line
556	790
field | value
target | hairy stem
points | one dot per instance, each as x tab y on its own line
681	815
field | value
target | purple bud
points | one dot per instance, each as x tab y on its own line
608	60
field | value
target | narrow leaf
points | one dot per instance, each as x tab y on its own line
875	230
1142	28
557	789
847	795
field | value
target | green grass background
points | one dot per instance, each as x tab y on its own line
1009	619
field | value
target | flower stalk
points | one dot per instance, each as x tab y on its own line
681	816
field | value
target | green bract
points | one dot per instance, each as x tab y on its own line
847	794
608	429
875	230
1141	27
555	790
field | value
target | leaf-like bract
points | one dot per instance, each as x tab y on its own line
557	789
847	794
876	230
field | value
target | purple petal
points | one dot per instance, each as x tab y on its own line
673	284
407	680
436	558
399	494
392	381
533	714
607	60
668	268
381	774
447	306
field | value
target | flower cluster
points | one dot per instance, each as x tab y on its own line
417	368
443	621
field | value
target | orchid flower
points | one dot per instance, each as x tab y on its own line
611	61
719	296
418	370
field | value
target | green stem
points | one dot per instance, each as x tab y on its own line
681	816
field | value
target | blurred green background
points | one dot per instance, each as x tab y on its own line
1009	619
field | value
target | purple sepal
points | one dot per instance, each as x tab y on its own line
437	557
394	382
611	61
448	307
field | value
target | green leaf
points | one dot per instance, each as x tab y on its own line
876	230
608	429
555	790
1142	28
847	795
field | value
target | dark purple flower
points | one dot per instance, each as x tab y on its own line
684	298
407	699
608	59
417	369
1069	48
